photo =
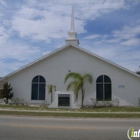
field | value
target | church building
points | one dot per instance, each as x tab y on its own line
110	81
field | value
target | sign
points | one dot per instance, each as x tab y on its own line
121	86
132	134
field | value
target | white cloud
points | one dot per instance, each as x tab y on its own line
17	51
46	20
15	55
10	67
121	46
3	2
3	34
128	32
40	20
131	42
42	25
127	36
92	36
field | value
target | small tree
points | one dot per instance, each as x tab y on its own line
78	83
138	72
7	92
50	90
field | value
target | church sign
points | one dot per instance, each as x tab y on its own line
121	86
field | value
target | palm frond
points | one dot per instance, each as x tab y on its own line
49	88
89	77
73	83
54	87
73	75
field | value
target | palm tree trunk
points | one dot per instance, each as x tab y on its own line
83	95
51	97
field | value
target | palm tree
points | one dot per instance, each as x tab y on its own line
78	83
50	90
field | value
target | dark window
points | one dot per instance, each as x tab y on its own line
99	91
103	88
41	79
38	88
107	90
107	79
35	79
34	91
42	92
63	100
100	79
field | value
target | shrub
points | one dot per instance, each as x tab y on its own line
15	101
139	101
7	92
108	103
44	104
18	101
115	102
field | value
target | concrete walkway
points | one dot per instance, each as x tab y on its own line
47	111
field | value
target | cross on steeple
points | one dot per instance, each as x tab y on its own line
72	35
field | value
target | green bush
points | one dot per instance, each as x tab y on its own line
107	103
7	92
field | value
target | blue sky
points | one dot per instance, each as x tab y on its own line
30	29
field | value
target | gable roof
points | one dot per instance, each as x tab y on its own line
60	49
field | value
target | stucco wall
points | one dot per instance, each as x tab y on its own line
54	69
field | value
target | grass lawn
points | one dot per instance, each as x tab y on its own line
59	114
97	109
71	112
112	109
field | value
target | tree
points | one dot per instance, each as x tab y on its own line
7	92
78	83
138	72
50	90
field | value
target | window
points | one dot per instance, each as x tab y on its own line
63	100
38	88
103	88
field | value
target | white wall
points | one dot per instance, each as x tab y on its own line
55	68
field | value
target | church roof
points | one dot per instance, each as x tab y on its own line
62	48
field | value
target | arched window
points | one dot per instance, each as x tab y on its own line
103	88
38	88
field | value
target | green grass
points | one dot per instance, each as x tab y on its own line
45	114
112	109
26	107
97	109
71	112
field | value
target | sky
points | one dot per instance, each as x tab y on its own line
30	29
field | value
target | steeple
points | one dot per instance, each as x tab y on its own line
72	21
72	35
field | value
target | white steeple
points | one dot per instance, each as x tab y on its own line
72	21
72	35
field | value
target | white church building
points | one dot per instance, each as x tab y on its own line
109	79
